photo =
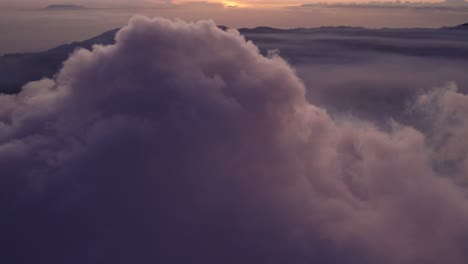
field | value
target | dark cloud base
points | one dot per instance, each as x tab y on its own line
182	143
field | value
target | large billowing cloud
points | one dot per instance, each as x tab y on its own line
181	143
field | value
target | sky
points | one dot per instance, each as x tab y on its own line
26	27
228	3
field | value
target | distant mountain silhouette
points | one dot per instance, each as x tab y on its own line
264	29
459	27
19	69
222	27
462	26
65	7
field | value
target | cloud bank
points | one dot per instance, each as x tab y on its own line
374	74
181	143
442	5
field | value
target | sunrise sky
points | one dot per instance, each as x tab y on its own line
26	26
227	3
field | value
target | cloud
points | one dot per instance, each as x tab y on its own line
370	73
454	5
443	113
181	143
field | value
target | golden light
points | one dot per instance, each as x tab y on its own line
233	4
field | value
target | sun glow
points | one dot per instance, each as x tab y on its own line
233	4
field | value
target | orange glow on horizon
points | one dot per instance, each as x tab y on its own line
282	3
240	3
234	4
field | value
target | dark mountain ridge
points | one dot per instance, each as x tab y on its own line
19	69
64	7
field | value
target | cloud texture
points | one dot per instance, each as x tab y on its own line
181	143
373	74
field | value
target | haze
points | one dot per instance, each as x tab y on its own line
113	3
27	27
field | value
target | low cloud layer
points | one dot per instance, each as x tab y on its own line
375	74
181	143
455	5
